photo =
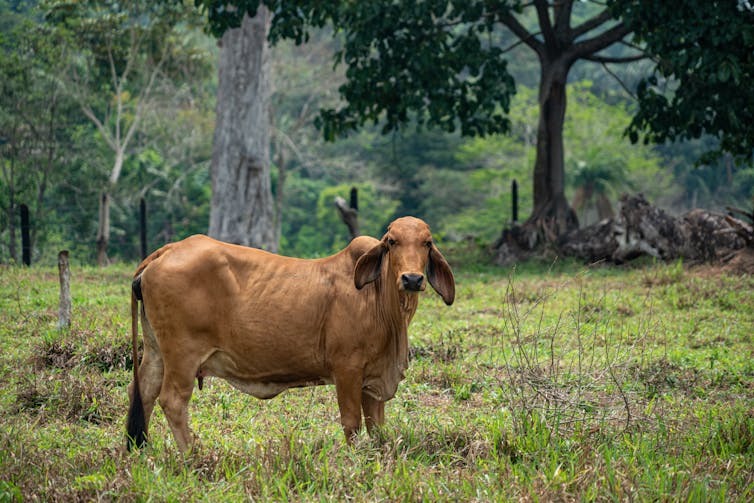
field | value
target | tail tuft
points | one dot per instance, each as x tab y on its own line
136	425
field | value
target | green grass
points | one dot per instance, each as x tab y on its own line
552	381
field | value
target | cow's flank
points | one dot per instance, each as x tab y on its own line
266	323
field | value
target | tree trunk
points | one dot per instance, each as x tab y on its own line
242	206
103	228
604	208
551	216
349	215
103	231
9	174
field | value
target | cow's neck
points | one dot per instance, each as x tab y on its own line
398	308
409	302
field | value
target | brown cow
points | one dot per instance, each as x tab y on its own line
266	323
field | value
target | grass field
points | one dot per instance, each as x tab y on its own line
549	382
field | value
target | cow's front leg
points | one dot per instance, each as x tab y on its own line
348	387
374	412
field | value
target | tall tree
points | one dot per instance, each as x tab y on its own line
242	205
442	64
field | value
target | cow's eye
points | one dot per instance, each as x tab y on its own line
428	244
391	241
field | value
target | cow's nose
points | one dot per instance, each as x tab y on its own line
412	282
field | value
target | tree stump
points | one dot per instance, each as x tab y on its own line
349	215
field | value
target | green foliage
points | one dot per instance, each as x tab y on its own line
443	63
699	85
36	123
404	63
319	229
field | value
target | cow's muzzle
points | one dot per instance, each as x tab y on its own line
412	282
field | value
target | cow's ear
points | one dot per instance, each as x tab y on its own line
440	276
369	265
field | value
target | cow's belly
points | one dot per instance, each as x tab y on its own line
259	383
272	389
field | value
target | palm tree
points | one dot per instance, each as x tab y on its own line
596	177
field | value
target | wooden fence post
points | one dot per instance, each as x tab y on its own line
354	199
514	194
64	271
25	239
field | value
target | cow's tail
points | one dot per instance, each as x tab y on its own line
136	424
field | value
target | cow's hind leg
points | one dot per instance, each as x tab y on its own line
150	382
374	412
177	386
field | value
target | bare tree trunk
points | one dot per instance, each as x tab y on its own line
349	214
604	208
242	206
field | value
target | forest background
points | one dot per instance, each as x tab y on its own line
55	158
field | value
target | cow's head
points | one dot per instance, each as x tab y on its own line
410	251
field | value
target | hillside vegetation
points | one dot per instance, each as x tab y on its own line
547	382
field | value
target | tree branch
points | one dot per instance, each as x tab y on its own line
622	84
516	44
87	110
563	11
605	39
592	23
522	33
144	96
608	59
543	15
